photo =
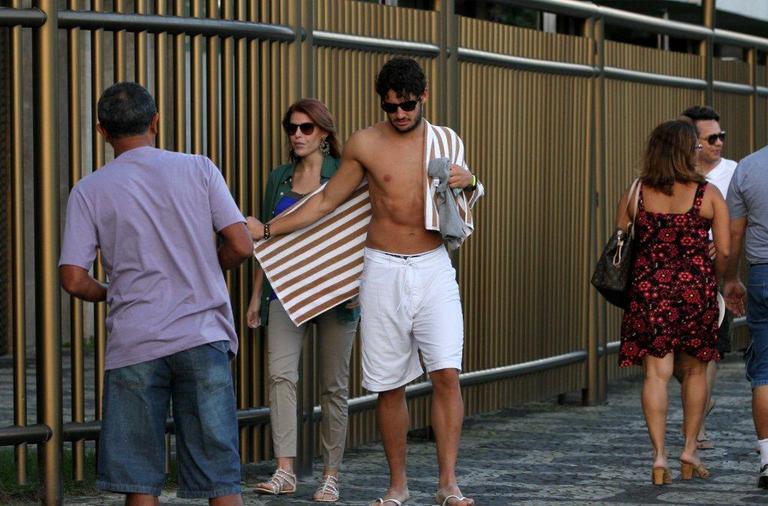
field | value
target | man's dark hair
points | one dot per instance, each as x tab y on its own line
403	76
701	112
126	109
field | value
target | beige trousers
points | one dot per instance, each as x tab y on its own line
334	345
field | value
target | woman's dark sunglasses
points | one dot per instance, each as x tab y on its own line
306	128
713	138
406	106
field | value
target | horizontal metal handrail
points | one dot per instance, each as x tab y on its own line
641	21
739	321
331	39
475	378
519	63
740	39
174	24
613	347
76	431
649	78
741	88
14	435
30	18
255	416
617	17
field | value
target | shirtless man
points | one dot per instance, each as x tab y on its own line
408	294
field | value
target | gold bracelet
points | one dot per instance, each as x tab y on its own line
266	231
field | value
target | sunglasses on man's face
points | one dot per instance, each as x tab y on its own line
306	128
711	139
406	106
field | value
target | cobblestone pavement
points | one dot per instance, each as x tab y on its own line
545	453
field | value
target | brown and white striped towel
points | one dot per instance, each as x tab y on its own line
443	142
318	267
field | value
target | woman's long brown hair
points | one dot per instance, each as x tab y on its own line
320	116
670	156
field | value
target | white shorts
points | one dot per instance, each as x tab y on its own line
408	304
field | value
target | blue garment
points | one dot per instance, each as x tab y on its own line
132	441
757	321
284	203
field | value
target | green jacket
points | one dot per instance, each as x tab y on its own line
279	183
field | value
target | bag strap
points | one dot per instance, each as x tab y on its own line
636	186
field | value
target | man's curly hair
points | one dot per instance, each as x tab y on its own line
403	76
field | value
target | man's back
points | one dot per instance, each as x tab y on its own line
153	213
748	197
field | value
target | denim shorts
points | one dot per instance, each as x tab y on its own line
198	381
757	320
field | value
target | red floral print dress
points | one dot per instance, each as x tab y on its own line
673	293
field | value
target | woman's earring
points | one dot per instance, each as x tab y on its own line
325	149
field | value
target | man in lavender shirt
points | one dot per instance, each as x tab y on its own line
153	215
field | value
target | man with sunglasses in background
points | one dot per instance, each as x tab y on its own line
718	171
409	298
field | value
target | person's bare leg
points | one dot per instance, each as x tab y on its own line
694	403
285	463
227	500
141	500
711	379
447	417
655	402
760	411
392	418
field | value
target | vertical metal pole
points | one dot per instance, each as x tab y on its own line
707	49
17	245
161	80
47	298
255	355
140	48
212	82
180	84
597	336
300	20
76	305
100	308
118	52
448	81
196	74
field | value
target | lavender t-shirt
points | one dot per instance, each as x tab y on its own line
153	213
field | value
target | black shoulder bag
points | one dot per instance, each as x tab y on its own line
614	268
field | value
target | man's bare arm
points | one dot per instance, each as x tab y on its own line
339	187
236	246
76	281
737	229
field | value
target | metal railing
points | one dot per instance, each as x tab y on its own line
259	59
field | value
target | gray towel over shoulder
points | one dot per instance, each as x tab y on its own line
451	224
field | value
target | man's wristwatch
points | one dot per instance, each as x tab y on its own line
266	231
473	185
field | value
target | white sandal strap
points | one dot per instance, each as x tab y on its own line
395	501
329	485
282	478
449	497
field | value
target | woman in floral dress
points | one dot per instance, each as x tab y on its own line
673	311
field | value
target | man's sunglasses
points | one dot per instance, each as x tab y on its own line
306	128
711	139
406	106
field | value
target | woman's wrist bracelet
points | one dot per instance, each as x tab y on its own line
266	231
